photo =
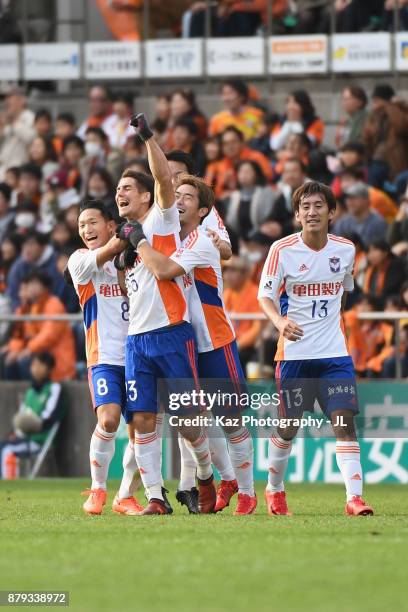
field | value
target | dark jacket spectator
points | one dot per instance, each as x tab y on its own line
350	128
385	272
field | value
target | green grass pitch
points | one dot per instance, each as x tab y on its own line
317	560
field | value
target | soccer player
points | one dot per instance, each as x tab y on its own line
161	343
106	317
303	283
198	263
182	163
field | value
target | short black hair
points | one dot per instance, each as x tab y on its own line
43	113
73	139
235	130
355	147
259	174
240	87
356	172
40	276
31	169
97	205
142	179
39	237
188	124
5	189
182	158
381	245
124	96
46	358
98	131
67	117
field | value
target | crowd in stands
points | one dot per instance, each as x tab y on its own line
254	156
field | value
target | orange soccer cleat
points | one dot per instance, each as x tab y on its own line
226	489
155	506
207	495
246	504
276	503
127	505
95	502
357	507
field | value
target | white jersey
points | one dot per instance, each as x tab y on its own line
203	288
156	303
106	310
214	222
307	286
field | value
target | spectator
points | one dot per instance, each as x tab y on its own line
261	142
65	126
26	218
117	126
100	186
62	239
360	219
388	19
29	184
43	123
42	153
10	247
39	410
256	206
398	231
350	155
100	108
300	117
16	130
180	163
380	202
222	174
185	138
212	147
238	113
256	251
73	151
55	337
385	136
139	164
57	197
36	254
358	15
98	153
6	214
298	147
354	103
162	108
293	176
385	272
389	365
241	296
183	105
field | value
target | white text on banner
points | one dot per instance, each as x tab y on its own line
298	54
361	52
174	58
113	60
53	61
235	56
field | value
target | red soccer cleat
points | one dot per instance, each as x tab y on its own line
127	505
357	507
226	489
207	495
155	506
246	504
276	503
95	502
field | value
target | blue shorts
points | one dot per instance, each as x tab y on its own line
330	381
168	356
220	370
107	385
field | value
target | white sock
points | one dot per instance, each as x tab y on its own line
159	431
219	452
129	468
147	453
101	451
188	467
348	461
201	453
278	457
242	458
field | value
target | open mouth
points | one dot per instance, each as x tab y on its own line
91	238
123	203
181	210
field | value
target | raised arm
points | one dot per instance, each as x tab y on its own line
158	163
158	264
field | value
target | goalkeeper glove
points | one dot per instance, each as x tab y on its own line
141	126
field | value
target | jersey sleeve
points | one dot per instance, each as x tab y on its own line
82	265
198	252
169	217
214	222
348	281
272	275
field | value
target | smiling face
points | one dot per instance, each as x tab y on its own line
187	202
94	229
132	201
314	214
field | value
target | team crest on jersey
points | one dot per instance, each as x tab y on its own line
334	263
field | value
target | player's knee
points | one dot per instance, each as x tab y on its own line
109	422
144	422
